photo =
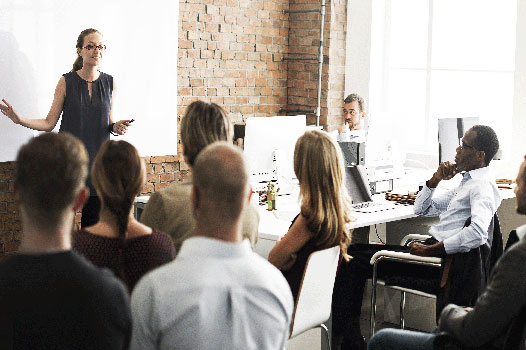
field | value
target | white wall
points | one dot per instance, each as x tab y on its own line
38	45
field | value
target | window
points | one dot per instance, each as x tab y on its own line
435	59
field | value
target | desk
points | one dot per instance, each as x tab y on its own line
274	224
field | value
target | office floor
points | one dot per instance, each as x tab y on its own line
420	315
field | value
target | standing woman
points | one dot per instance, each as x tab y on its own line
84	97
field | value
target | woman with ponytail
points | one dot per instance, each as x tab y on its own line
325	207
118	241
84	97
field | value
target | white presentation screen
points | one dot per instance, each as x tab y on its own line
37	46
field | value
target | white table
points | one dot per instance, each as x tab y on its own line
274	224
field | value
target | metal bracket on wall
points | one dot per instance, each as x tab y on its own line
299	59
299	11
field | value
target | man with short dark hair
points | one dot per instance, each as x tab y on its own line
476	199
497	312
51	297
353	114
217	293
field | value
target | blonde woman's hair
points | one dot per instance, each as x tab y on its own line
325	203
203	123
118	176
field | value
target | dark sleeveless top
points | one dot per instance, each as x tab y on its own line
87	119
294	275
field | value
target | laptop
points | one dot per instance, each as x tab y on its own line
360	191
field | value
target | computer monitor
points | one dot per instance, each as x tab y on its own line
357	184
450	133
353	153
269	146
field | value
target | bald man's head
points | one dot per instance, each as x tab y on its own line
221	182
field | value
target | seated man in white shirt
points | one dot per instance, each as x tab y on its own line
476	198
501	303
353	113
217	293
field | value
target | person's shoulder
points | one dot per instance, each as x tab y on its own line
162	241
265	271
94	277
175	192
516	254
106	75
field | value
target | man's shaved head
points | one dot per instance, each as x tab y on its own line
221	181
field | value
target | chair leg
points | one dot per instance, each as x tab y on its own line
402	310
324	328
373	298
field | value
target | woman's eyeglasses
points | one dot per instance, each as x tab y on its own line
91	47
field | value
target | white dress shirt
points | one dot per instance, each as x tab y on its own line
521	232
351	136
214	295
477	197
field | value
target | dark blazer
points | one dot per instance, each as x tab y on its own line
498	307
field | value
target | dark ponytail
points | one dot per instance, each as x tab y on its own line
77	65
118	176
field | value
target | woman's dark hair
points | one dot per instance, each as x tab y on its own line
118	176
77	65
486	141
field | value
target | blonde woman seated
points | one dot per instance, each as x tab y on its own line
170	210
118	241
325	207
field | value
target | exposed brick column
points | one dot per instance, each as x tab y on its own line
337	13
304	37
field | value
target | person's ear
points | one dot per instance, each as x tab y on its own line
364	114
82	198
481	156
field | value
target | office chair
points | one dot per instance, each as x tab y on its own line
388	255
452	285
313	306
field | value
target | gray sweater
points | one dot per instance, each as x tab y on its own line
496	307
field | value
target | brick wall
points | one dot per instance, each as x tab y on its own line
304	39
231	53
10	226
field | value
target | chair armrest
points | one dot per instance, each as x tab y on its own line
414	237
404	257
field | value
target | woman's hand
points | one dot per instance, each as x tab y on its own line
121	127
9	111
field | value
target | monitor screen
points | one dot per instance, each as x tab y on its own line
353	152
357	184
450	133
270	142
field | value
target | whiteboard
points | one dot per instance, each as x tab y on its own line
38	38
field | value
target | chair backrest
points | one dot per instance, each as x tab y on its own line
313	306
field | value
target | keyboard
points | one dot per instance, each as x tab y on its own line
372	207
